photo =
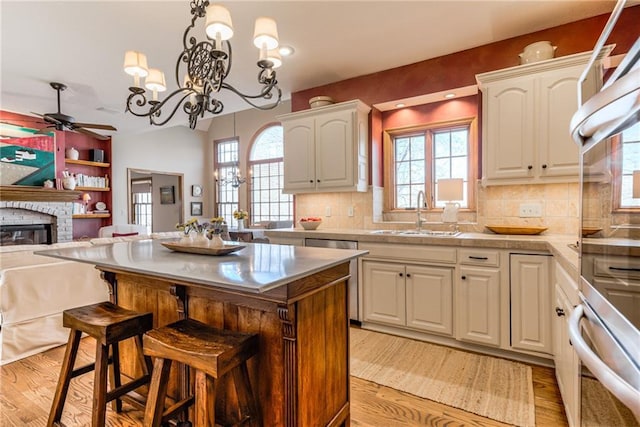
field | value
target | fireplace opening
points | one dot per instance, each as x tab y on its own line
28	234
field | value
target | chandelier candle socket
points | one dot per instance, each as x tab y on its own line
202	68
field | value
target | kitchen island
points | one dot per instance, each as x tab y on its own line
294	298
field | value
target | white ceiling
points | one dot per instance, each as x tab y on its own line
82	44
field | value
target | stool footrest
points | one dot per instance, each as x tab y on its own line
126	388
176	408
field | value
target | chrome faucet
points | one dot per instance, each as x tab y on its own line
419	220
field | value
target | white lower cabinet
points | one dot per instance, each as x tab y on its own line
478	305
415	296
565	358
531	290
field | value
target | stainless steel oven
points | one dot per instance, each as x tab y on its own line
605	327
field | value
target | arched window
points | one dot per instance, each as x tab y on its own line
267	202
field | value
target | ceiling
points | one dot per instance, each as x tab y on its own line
82	44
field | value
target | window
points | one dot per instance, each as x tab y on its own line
142	204
225	165
423	155
267	201
629	164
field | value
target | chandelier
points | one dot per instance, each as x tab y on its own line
201	70
234	178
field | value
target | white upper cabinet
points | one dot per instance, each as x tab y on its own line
325	149
526	111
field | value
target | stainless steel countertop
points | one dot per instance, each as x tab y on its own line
256	268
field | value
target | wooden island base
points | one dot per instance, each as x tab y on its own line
301	373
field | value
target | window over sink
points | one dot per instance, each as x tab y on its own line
419	156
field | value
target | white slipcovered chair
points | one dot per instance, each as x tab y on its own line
109	230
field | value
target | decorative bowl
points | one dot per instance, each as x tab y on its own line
320	101
310	225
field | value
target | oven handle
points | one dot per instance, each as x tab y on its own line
616	385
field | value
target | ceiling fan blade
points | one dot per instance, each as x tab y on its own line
94	126
90	133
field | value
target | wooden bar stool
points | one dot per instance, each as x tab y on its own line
212	353
108	324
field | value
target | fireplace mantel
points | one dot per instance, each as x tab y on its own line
23	193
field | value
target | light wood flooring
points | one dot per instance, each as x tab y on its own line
27	387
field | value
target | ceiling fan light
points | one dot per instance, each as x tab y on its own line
218	22
265	33
135	63
155	80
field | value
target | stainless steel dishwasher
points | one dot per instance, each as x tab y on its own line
353	270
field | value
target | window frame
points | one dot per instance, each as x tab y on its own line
250	163
427	130
617	150
216	168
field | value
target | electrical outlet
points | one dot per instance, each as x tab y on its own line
350	211
327	211
530	210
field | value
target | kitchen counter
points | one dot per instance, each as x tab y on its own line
557	245
256	268
294	298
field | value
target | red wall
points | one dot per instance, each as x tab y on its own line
458	70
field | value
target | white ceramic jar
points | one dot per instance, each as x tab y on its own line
72	153
69	182
538	51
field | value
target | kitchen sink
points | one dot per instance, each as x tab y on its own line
385	232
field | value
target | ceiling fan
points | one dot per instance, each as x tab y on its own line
60	121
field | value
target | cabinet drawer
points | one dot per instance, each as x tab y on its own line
479	257
439	254
616	268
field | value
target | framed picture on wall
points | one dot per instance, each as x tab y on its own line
167	195
196	190
196	208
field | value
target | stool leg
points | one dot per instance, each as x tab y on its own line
205	391
157	391
115	377
246	399
100	385
65	377
145	361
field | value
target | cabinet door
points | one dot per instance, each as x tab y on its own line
430	299
623	294
557	152
334	150
384	292
530	303
299	155
478	305
509	131
565	359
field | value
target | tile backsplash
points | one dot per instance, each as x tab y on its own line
497	205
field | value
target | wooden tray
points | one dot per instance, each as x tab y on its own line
505	229
202	250
588	231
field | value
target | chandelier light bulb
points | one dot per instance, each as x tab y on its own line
275	58
265	34
218	24
155	82
135	64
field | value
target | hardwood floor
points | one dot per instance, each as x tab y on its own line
27	387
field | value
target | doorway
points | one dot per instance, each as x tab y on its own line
155	199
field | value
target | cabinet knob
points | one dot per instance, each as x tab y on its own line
401	274
544	166
559	312
318	180
408	274
464	277
311	181
530	167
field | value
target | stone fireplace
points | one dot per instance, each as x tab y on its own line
28	206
